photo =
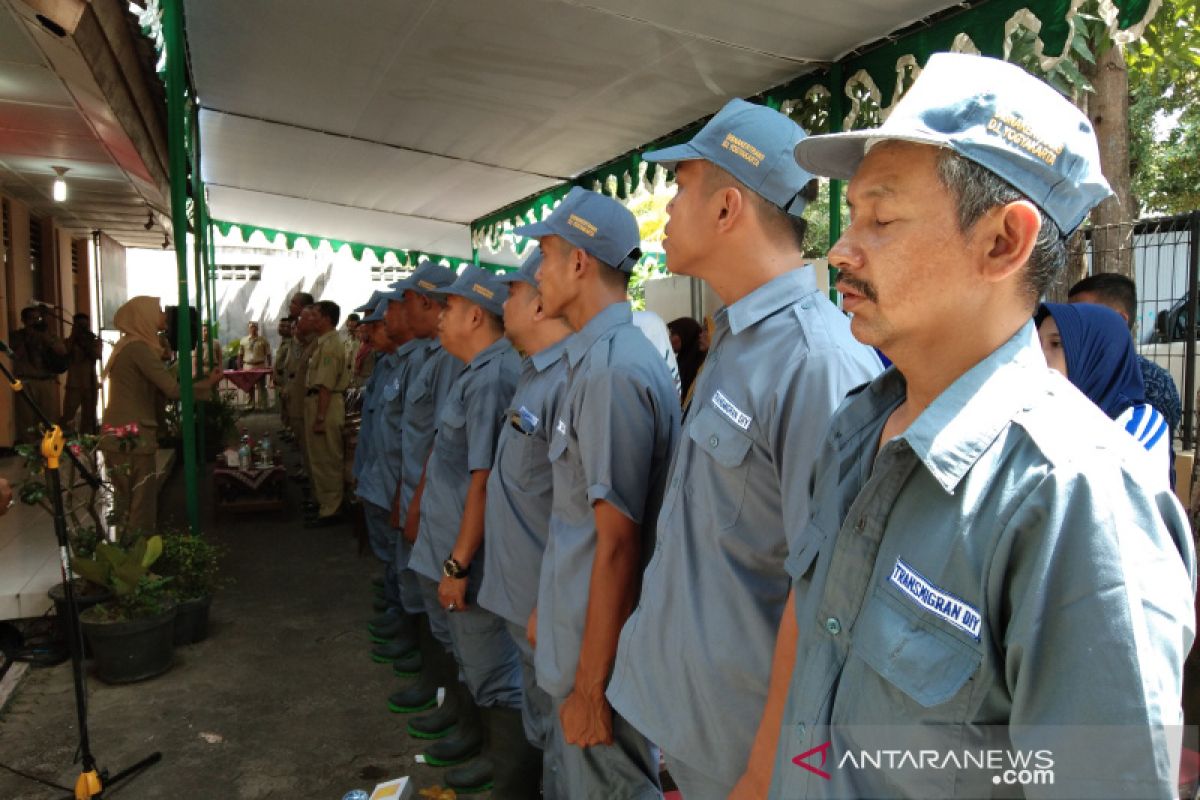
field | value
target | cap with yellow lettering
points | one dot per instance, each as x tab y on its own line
481	287
595	223
754	144
426	279
995	114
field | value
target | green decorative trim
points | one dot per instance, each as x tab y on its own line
406	258
873	73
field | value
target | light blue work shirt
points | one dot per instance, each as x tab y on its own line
422	404
385	443
468	425
521	488
366	419
1013	559
612	441
782	360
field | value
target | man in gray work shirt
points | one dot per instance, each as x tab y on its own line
781	360
991	565
520	488
610	448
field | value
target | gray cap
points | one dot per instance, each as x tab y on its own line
754	144
995	114
595	223
377	314
370	304
426	279
528	271
482	287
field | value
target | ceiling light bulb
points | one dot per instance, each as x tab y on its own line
60	185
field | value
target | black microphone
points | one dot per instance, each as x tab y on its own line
4	348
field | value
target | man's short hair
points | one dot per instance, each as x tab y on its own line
775	221
305	298
1113	288
353	318
29	312
330	311
288	318
977	190
79	316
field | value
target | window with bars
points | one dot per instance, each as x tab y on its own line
389	273
239	272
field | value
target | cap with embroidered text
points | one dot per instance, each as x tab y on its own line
754	144
595	223
427	278
482	287
528	271
995	114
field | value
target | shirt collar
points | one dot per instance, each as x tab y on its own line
548	356
408	347
962	422
328	335
764	301
616	314
488	353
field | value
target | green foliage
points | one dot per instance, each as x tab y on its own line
194	562
1163	67
1089	41
646	269
120	569
149	597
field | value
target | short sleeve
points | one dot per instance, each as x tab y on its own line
616	431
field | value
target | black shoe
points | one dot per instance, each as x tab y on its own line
440	721
474	777
436	670
408	666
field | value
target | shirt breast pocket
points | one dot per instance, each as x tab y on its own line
727	446
452	426
925	670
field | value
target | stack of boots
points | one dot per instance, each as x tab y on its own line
422	694
403	639
511	766
439	722
465	741
393	623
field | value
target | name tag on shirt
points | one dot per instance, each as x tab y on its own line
935	600
735	414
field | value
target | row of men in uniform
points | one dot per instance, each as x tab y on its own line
824	558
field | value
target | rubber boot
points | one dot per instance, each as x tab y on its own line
473	777
423	694
465	742
517	774
399	624
439	722
405	640
408	666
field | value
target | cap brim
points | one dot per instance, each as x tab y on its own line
837	155
516	277
670	156
534	231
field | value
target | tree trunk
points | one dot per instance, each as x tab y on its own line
1108	109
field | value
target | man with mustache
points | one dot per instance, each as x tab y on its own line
990	563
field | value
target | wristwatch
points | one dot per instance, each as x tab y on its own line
452	569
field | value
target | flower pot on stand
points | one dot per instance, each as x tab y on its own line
191	620
130	650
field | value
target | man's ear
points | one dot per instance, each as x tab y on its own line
1007	235
732	207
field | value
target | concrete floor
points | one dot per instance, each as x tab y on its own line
281	701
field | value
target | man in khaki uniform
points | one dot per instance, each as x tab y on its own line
34	349
297	373
279	376
325	414
83	384
256	354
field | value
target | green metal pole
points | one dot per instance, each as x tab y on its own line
199	212
177	145
835	186
214	322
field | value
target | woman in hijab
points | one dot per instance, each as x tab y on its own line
136	375
1090	344
685	340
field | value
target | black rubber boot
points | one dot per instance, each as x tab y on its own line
473	777
439	722
422	695
517	772
399	626
404	640
408	666
465	742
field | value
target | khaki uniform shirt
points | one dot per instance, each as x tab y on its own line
81	372
327	366
282	355
255	351
137	379
297	375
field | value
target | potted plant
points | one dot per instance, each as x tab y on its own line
132	635
194	565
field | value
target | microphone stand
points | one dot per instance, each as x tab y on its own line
92	782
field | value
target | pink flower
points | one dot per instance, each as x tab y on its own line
133	428
76	450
